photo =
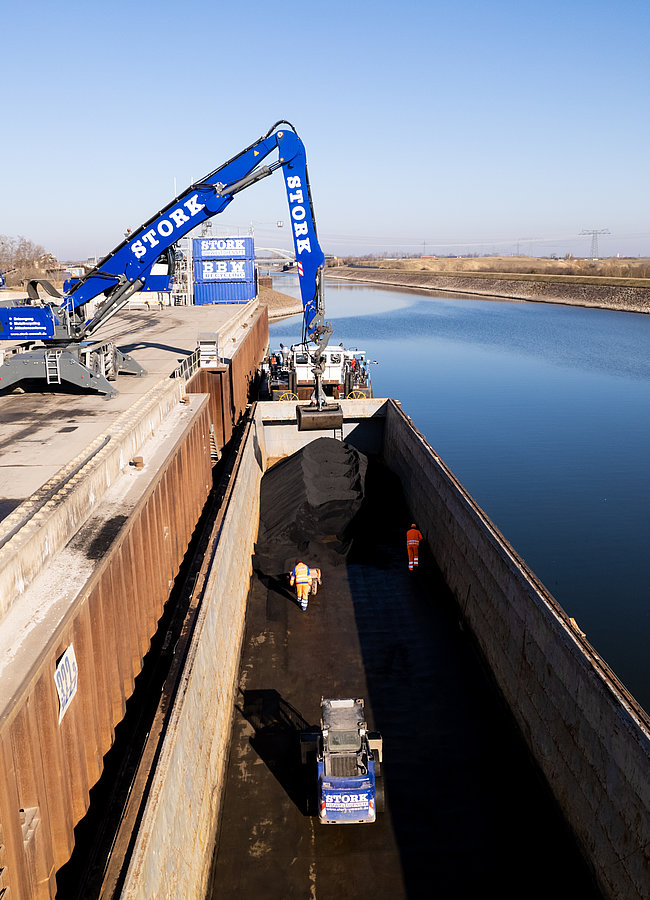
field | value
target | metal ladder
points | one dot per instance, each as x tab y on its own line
208	345
52	370
215	455
181	292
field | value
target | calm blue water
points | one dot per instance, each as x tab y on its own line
543	413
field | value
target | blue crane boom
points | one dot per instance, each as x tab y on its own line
134	265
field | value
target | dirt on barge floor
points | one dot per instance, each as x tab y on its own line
466	809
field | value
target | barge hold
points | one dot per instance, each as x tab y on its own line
586	734
465	812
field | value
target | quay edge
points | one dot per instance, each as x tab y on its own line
76	555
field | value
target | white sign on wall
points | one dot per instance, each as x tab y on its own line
226	270
65	678
226	246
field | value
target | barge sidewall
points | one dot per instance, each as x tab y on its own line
589	736
173	851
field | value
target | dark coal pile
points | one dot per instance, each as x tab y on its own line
307	506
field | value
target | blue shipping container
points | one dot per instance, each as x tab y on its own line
223	248
211	270
226	292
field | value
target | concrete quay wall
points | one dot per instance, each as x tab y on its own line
37	529
604	296
102	595
588	735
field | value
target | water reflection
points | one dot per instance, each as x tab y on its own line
543	412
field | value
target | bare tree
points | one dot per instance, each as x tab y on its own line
22	259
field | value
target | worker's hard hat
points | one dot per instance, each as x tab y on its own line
413	525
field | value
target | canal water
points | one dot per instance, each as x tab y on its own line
543	413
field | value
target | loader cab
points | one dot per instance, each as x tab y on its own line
162	272
303	363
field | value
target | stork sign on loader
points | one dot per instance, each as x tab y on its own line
58	329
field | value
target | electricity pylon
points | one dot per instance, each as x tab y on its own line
594	239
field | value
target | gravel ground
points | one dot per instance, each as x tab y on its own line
280	305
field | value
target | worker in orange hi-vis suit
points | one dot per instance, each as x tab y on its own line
413	538
301	575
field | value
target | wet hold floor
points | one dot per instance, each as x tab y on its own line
467	812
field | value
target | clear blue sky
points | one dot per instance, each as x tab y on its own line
429	126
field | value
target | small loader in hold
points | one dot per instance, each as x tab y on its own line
346	759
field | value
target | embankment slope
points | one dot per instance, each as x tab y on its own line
543	289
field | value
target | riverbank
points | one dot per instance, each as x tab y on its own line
568	290
280	306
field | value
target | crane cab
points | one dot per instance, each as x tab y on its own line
289	373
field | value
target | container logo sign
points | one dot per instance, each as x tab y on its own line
35	323
65	678
226	270
232	246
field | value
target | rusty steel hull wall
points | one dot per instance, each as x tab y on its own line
47	769
244	364
229	386
60	507
50	767
589	736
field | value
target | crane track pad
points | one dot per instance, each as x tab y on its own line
313	419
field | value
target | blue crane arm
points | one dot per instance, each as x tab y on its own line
128	267
133	259
131	262
310	258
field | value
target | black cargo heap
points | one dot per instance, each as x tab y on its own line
308	505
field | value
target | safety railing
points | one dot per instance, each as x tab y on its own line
188	367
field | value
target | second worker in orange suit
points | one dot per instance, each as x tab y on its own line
413	538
